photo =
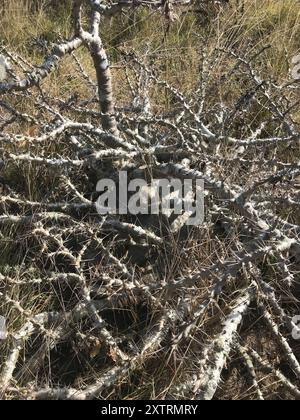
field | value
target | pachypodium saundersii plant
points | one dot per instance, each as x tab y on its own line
115	295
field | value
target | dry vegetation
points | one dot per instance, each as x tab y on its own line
131	307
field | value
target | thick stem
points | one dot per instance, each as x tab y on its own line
104	78
105	90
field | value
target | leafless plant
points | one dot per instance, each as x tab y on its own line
121	293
